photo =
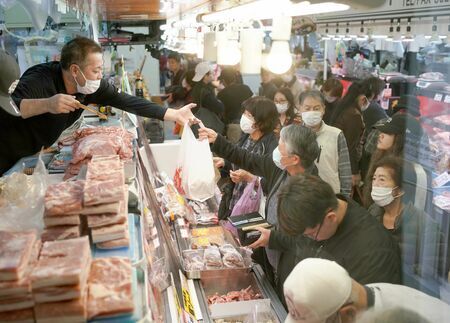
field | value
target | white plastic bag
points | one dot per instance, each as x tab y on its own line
22	199
194	176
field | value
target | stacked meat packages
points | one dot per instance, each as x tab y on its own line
19	252
59	281
63	205
106	192
110	290
105	141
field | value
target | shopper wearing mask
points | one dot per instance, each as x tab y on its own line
257	123
416	233
330	293
297	149
314	222
391	141
48	96
287	111
333	162
332	90
348	117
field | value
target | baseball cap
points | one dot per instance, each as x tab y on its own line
410	103
315	290
400	123
201	70
10	73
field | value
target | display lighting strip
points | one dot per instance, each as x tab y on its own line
266	9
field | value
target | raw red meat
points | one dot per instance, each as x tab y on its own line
68	311
64	198
100	192
110	290
15	252
234	296
61	263
62	232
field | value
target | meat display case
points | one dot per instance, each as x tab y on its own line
187	299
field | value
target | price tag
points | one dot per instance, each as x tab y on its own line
442	202
181	222
153	232
438	97
441	180
184	234
156	243
447	99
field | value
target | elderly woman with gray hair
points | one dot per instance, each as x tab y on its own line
296	152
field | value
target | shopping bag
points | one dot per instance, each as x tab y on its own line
248	203
194	176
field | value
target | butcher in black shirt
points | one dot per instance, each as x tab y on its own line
315	223
48	95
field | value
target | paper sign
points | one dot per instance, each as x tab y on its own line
184	234
441	180
438	97
447	99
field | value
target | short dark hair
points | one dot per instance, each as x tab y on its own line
303	203
76	51
301	141
174	56
395	166
290	98
263	111
376	84
311	94
334	86
228	75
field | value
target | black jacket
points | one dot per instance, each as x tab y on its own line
361	245
203	96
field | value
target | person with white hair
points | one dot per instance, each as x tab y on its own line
320	290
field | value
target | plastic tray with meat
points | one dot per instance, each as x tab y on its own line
193	260
212	258
64	198
246	294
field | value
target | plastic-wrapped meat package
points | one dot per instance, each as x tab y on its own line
110	290
15	252
101	192
62	263
233	259
212	258
65	311
193	260
64	198
206	218
105	168
112	131
86	147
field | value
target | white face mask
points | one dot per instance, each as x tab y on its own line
366	106
247	125
330	99
282	107
276	157
312	118
91	86
382	196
